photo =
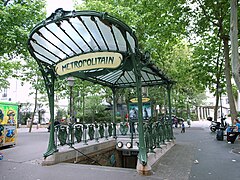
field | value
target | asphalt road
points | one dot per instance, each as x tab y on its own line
197	155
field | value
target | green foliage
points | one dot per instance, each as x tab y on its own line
210	23
103	116
60	114
17	18
24	117
160	27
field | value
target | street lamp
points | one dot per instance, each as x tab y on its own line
70	84
71	131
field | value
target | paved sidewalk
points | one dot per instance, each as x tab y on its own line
34	130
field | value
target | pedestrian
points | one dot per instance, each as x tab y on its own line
175	121
237	127
188	122
183	128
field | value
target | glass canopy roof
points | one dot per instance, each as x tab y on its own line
92	46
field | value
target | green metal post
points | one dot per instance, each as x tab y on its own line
114	112
85	134
71	134
170	109
49	79
142	155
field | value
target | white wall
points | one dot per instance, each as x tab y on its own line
19	93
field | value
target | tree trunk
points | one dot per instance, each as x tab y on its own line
35	107
216	105
196	111
227	71
219	73
234	42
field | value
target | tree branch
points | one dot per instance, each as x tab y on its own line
205	13
5	2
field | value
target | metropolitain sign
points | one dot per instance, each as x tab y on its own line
89	61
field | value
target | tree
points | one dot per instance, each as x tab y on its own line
212	17
31	74
234	41
159	26
17	18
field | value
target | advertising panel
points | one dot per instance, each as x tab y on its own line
146	108
8	123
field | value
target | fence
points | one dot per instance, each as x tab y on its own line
155	133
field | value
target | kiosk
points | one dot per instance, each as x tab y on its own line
8	123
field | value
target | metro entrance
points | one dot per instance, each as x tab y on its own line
99	48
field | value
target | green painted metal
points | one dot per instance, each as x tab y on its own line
101	130
146	137
62	135
142	155
151	137
49	79
135	71
96	132
91	131
113	78
71	134
153	132
164	135
158	134
78	133
114	111
123	127
105	131
110	129
85	134
169	87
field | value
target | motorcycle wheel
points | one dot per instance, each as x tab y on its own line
213	129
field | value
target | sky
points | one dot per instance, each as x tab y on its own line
52	5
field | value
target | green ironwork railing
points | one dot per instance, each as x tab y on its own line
156	133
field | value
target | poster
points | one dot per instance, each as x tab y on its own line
10	134
1	135
133	111
8	113
8	123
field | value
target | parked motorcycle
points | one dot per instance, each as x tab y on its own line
217	125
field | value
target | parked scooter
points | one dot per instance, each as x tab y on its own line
217	125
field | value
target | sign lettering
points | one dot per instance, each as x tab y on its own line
89	61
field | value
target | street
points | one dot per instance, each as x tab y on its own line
197	155
29	146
